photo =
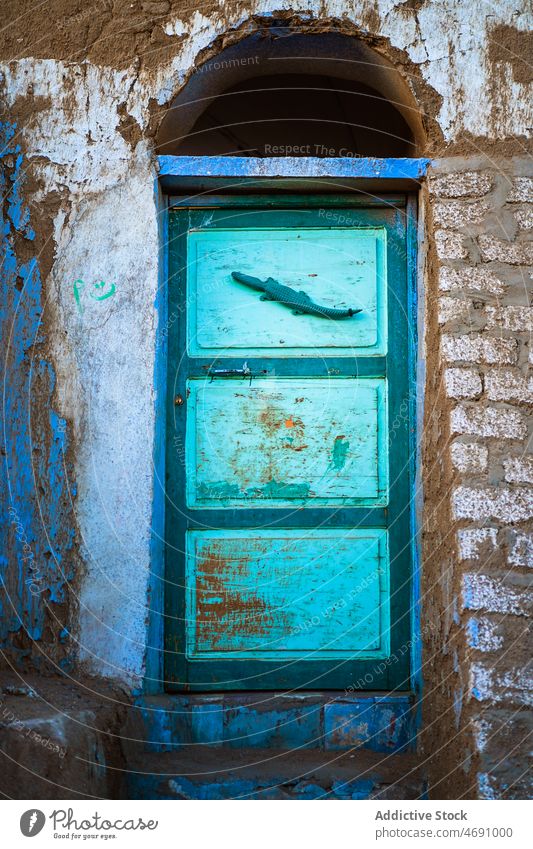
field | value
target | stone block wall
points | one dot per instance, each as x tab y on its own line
482	218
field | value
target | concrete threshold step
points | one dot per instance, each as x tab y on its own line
381	722
203	772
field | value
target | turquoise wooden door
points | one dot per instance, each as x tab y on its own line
288	469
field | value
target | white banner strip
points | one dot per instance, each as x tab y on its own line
306	825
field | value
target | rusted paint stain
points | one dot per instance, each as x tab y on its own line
233	604
269	419
286	593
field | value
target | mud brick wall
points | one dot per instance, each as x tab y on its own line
480	259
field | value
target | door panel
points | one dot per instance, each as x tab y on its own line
287	594
292	441
343	268
288	527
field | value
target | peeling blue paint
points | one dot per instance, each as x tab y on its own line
472	629
380	724
468	597
261	786
39	534
172	168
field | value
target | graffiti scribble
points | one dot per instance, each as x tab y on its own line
104	296
76	288
96	295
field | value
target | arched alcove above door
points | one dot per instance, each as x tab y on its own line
297	94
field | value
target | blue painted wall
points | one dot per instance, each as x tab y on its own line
37	529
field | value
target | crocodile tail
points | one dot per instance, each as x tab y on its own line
335	313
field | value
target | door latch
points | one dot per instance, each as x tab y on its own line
243	372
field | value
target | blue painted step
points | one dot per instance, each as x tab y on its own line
381	723
201	772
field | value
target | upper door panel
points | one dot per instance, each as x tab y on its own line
341	268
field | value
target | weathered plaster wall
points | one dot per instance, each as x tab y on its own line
473	57
103	229
86	86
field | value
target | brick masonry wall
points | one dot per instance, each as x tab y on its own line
482	253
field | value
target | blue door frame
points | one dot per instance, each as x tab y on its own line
201	176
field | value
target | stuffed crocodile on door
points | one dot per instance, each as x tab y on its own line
299	302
